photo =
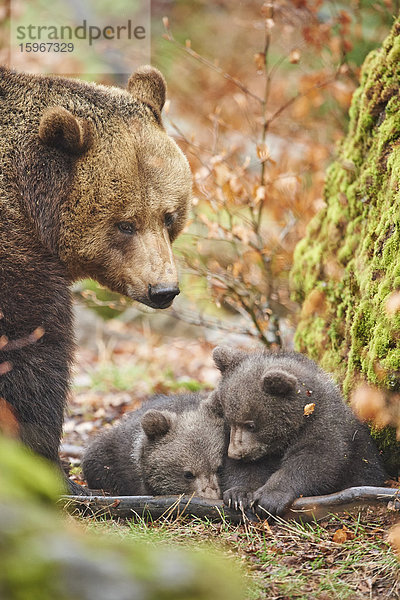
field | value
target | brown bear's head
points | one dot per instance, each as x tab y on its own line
129	192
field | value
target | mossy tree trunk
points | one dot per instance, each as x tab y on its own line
348	265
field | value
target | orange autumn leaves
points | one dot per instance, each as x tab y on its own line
343	535
259	156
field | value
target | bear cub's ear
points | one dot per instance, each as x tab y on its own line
225	358
279	382
157	423
61	129
148	85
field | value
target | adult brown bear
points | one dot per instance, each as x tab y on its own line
90	186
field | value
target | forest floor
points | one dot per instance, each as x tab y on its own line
341	557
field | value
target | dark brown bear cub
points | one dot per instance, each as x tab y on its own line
172	445
91	185
291	433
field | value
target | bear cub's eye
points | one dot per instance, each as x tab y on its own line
188	475
126	227
249	426
169	219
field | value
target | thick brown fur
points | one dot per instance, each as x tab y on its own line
90	186
171	445
291	433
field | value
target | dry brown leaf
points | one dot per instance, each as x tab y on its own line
267	10
380	371
38	333
333	269
392	304
222	174
369	403
294	56
342	535
260	194
263	152
259	60
236	185
5	367
8	421
315	303
309	409
237	269
394	539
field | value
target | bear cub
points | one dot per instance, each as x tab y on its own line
291	433
171	445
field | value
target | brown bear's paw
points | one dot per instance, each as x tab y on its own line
274	502
237	497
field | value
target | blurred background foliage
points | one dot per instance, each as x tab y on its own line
259	96
45	556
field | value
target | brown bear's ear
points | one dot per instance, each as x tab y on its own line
279	382
156	423
212	404
60	129
226	358
148	85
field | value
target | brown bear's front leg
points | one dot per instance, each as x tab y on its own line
36	331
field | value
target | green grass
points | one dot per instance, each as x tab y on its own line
288	560
108	376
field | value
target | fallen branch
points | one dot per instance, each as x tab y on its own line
150	507
303	509
348	500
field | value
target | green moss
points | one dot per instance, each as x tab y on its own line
359	229
389	447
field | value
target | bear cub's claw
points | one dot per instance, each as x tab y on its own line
237	498
274	502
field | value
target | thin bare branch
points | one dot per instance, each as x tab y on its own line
170	38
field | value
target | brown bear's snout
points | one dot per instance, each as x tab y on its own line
162	295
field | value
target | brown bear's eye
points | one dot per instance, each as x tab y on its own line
188	475
126	227
169	219
249	426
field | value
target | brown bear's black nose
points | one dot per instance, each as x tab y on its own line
162	295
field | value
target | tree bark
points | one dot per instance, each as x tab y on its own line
346	271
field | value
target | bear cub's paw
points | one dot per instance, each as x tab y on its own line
273	501
237	497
